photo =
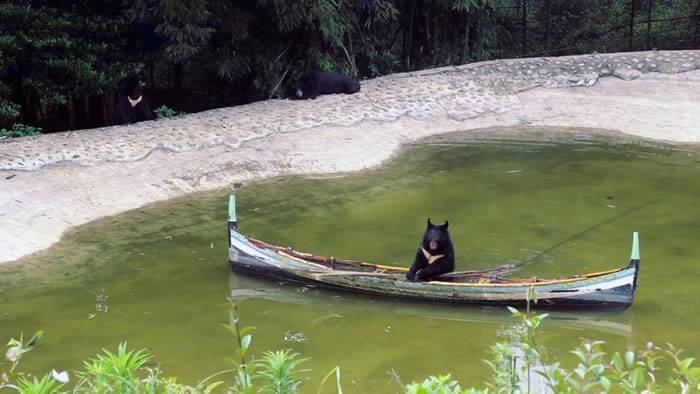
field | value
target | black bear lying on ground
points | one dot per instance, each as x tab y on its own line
435	255
316	83
132	106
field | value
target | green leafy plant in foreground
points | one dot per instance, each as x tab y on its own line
129	371
244	371
275	372
442	384
595	371
16	349
279	371
117	371
46	385
519	366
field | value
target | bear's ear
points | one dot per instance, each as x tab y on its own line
429	224
447	224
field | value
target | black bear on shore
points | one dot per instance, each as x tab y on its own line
435	255
316	83
132	106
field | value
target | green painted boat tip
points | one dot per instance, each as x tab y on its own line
232	208
635	246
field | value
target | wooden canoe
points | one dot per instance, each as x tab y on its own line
608	289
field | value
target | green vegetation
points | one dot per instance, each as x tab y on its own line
60	61
58	58
131	371
20	130
595	371
165	112
530	371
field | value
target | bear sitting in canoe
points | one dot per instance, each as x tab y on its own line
316	83
435	255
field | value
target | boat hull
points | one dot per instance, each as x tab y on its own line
612	291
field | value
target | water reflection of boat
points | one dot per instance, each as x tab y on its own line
245	287
609	289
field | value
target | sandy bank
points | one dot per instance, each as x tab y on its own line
54	182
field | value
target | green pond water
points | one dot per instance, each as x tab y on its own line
158	277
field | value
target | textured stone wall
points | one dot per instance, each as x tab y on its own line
458	93
53	182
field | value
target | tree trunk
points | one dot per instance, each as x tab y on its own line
466	54
351	56
650	5
152	84
39	110
87	113
630	38
110	103
427	36
408	34
435	45
404	35
71	112
105	113
695	41
524	26
548	14
177	83
409	40
25	111
169	84
423	37
220	92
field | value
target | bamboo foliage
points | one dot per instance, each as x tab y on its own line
60	61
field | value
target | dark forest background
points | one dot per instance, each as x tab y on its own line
61	60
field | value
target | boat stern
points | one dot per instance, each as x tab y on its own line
232	218
232	228
634	260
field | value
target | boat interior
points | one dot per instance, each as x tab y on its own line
495	275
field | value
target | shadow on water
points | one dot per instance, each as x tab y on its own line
248	288
158	277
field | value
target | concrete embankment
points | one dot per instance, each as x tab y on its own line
51	183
